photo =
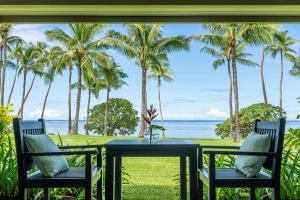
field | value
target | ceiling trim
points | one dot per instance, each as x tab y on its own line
149	13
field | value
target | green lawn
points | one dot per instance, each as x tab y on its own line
151	178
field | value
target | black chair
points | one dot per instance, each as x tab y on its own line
230	177
74	177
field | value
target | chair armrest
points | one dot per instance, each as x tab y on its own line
201	147
218	147
81	146
58	153
246	153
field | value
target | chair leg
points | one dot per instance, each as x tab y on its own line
88	193
46	194
212	193
276	193
99	189
200	189
22	193
252	193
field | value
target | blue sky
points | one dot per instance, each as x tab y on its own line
197	92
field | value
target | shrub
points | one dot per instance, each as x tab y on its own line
122	118
8	165
248	115
5	121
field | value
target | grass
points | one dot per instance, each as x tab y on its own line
151	178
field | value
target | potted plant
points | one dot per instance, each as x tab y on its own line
150	116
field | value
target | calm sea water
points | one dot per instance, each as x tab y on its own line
175	128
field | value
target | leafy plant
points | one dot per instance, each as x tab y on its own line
151	115
122	118
248	115
8	169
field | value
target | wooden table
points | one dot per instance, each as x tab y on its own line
117	149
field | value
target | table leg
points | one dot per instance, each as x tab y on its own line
183	178
118	178
109	176
193	175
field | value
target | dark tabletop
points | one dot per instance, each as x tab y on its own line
142	144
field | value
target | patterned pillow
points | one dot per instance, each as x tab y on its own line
251	165
48	165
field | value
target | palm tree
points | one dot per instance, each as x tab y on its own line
268	41
222	54
15	54
234	34
94	83
282	45
7	41
52	60
28	63
85	48
67	62
113	79
144	42
161	72
36	66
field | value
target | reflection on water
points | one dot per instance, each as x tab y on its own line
175	128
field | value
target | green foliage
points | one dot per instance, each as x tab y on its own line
122	118
248	115
8	169
5	121
8	166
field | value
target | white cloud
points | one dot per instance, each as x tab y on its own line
214	112
29	32
49	113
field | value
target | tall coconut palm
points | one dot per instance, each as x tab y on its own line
7	41
52	62
221	51
94	83
67	62
36	68
234	34
282	45
15	55
267	41
81	41
113	79
143	42
161	72
27	63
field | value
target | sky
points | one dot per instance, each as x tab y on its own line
198	91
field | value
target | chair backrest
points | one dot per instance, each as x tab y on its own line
21	128
276	131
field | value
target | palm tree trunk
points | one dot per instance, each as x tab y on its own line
159	102
45	100
29	90
70	100
106	113
4	67
230	100
74	129
281	81
262	77
143	124
87	112
23	96
236	95
13	86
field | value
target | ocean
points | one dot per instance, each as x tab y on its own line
174	128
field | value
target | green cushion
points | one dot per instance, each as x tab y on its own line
251	165
48	165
